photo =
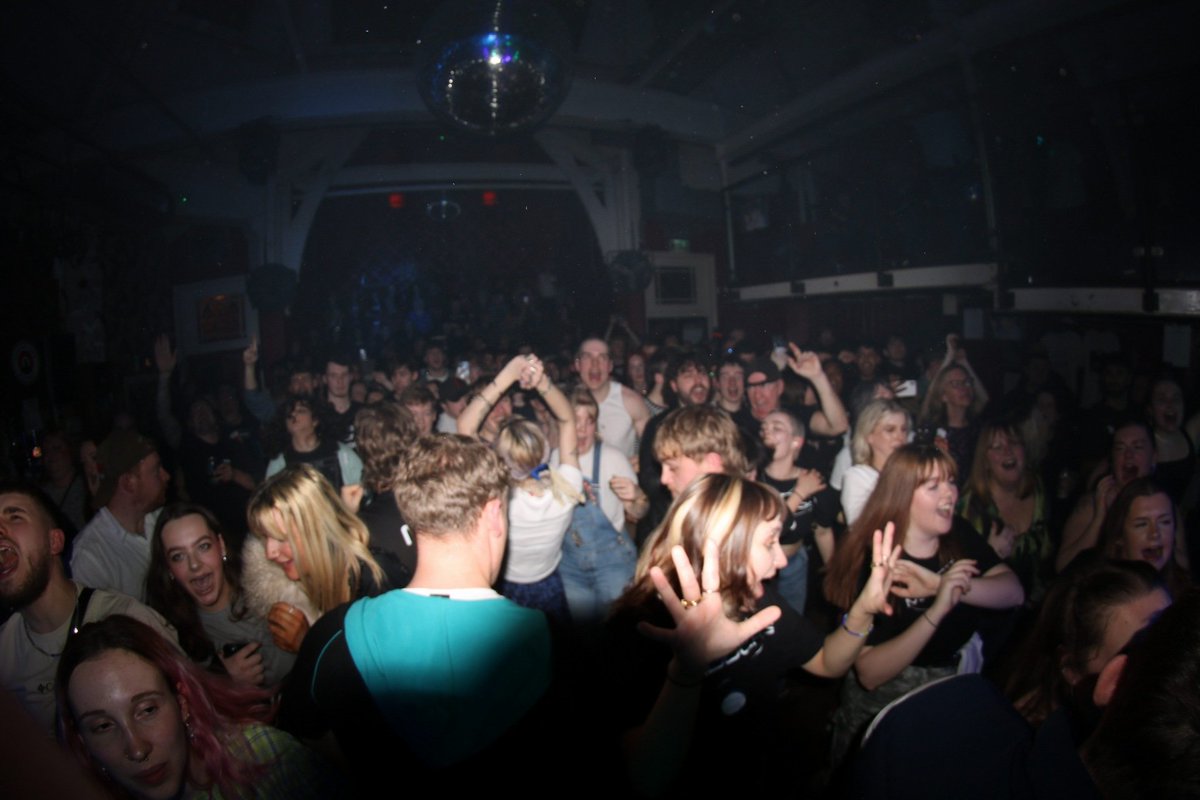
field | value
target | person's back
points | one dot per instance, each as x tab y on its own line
449	683
444	677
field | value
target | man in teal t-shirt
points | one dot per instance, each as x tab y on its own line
444	674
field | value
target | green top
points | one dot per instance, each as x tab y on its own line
1032	556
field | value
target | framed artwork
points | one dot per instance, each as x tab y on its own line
214	315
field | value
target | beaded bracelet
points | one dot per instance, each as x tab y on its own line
857	634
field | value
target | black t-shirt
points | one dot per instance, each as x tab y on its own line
197	460
341	425
388	535
962	621
741	703
324	459
982	747
819	509
650	479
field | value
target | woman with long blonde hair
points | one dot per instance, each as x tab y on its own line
542	499
318	544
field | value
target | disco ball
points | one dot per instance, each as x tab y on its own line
494	67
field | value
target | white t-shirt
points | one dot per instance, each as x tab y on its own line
614	423
106	556
536	525
28	673
857	485
612	463
841	463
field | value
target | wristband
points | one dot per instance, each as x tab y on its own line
854	633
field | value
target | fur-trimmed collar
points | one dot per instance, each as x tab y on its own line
265	584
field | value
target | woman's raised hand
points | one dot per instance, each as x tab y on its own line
512	372
955	584
884	559
702	632
912	580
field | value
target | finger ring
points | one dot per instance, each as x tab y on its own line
689	603
707	592
292	610
878	564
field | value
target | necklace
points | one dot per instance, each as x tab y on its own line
33	644
81	603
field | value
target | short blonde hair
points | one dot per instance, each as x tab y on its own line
868	419
446	481
299	506
696	431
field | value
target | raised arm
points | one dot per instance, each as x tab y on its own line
472	417
656	749
879	664
257	400
999	587
831	420
842	647
535	375
955	354
165	359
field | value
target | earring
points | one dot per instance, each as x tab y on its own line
224	557
187	726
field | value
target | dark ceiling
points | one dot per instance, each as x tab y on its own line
882	103
768	68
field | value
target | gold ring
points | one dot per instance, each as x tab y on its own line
689	603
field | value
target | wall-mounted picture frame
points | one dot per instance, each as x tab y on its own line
214	316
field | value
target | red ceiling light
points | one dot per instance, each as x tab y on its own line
396	200
489	198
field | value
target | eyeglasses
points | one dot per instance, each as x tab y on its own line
959	383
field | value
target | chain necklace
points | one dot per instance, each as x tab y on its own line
81	603
29	636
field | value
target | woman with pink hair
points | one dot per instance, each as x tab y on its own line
154	725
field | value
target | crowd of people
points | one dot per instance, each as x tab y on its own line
337	576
